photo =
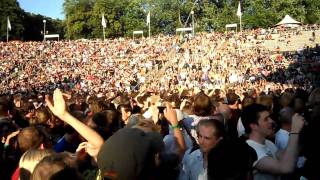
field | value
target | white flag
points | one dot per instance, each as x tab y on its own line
103	22
239	10
8	24
148	18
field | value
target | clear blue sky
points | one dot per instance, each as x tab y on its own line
49	8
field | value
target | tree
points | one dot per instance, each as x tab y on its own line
294	8
11	9
258	13
25	26
209	15
78	13
312	9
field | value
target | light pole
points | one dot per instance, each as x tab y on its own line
44	29
192	14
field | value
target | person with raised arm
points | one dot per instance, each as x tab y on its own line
58	108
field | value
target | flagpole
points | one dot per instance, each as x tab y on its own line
7	33
104	34
8	28
240	24
104	25
149	30
149	23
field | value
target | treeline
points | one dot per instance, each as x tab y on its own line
83	17
25	26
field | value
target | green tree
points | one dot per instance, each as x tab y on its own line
294	8
226	15
78	13
258	13
312	9
209	16
11	9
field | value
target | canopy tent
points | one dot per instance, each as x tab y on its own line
288	21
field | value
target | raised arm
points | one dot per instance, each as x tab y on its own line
287	160
171	116
58	108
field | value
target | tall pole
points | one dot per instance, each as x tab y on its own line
192	14
7	33
149	23
149	30
44	29
240	24
8	26
104	34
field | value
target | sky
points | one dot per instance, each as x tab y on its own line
49	8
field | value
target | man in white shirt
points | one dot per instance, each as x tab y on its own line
270	162
282	136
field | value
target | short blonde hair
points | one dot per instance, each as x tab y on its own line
30	158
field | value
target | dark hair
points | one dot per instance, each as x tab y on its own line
126	107
310	151
202	105
232	98
225	164
250	115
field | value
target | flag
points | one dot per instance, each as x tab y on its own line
239	10
103	22
148	18
8	24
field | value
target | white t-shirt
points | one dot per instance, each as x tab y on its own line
263	150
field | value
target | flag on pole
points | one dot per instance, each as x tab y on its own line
148	18
239	10
103	22
8	24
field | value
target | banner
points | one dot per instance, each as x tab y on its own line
103	22
8	24
148	18
239	10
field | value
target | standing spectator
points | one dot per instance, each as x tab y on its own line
194	165
270	163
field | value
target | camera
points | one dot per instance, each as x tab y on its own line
161	106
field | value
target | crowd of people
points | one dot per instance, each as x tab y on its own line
214	106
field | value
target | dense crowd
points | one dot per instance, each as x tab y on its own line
214	106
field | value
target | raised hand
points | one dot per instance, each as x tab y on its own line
89	148
171	115
6	141
58	107
297	123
